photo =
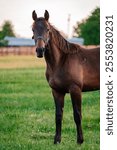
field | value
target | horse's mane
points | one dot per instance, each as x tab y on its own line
63	44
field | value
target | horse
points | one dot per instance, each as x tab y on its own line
70	68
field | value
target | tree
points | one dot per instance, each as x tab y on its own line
89	29
7	30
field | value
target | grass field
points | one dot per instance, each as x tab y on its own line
27	110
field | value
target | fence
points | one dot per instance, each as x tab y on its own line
24	50
28	50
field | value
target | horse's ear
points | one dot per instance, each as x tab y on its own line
34	15
46	15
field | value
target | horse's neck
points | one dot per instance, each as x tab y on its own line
59	47
62	44
54	53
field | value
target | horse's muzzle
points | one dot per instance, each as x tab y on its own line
40	52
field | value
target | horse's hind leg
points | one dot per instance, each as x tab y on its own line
59	103
75	93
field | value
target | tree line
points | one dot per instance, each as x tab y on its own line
6	30
89	28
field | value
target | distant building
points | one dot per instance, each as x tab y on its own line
76	40
13	41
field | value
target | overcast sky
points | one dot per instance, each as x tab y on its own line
19	12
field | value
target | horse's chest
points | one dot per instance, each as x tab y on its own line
55	81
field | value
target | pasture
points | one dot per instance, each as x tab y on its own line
27	112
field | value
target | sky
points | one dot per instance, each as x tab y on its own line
19	12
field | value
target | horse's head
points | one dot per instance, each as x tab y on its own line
41	30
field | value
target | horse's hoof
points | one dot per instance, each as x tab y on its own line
80	141
57	140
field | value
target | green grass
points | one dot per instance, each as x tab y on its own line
27	113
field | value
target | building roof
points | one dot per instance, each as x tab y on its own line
76	40
13	41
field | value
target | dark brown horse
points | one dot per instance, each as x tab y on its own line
70	69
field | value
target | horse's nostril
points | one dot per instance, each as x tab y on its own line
40	52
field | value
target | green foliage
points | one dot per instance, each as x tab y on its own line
89	29
27	113
7	30
3	43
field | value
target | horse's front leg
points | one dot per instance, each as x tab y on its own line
59	104
75	93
